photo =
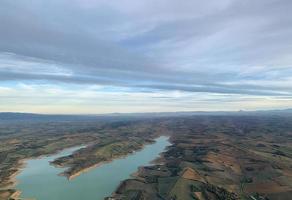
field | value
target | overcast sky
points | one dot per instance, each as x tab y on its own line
101	56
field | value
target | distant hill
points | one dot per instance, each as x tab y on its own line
14	116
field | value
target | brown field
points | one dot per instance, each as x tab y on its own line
210	157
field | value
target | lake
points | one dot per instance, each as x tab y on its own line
39	180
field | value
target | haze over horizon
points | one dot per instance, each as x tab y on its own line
97	56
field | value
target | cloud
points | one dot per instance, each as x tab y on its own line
102	99
220	47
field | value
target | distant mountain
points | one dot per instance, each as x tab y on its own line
14	116
267	112
31	116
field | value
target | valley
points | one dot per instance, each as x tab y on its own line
209	157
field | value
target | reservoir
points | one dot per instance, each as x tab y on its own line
39	180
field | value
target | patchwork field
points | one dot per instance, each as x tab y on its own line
223	157
210	157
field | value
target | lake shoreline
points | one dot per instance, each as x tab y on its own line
24	162
71	177
136	175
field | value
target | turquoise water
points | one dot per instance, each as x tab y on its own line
39	180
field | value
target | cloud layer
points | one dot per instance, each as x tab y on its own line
226	47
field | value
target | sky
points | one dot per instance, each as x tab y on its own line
100	56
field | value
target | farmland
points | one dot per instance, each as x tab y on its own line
239	157
210	157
